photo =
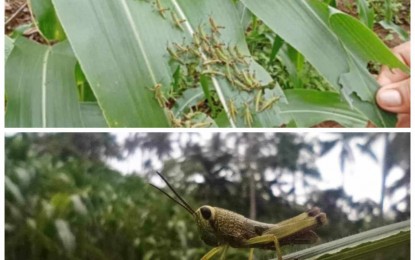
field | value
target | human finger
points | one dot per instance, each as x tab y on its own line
395	97
387	75
404	120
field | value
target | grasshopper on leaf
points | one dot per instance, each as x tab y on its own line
178	22
159	95
222	228
215	28
161	9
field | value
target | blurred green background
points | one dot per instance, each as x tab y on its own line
65	198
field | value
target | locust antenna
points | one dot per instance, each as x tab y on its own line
183	203
165	193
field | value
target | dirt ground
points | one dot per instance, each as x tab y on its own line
379	30
17	14
21	14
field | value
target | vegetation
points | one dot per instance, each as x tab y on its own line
64	201
234	63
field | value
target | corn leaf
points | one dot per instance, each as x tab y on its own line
363	42
122	49
365	245
310	107
92	115
8	46
305	26
40	86
46	20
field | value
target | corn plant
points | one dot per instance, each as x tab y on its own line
182	63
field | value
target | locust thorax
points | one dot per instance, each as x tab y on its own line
205	219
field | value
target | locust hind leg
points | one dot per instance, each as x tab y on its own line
266	239
225	249
251	254
214	251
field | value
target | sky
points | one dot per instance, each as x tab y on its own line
361	177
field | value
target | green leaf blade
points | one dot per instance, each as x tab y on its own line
364	245
118	59
309	107
364	42
40	86
46	20
319	45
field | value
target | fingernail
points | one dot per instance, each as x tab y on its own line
390	98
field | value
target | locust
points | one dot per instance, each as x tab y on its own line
258	100
215	28
178	22
269	103
161	9
221	228
248	119
232	109
158	94
174	55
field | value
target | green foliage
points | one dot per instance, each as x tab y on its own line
63	201
366	14
43	99
127	72
47	21
387	10
390	14
75	209
270	50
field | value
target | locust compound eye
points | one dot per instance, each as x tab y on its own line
206	213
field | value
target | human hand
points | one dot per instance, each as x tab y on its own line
394	94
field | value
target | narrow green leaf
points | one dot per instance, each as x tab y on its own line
84	89
78	205
331	2
40	86
297	62
11	187
395	28
46	20
364	42
121	47
206	82
388	11
245	15
92	115
316	41
366	14
189	98
8	46
276	46
65	235
310	107
360	246
125	57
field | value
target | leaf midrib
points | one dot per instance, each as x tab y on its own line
214	80
138	39
43	86
300	111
